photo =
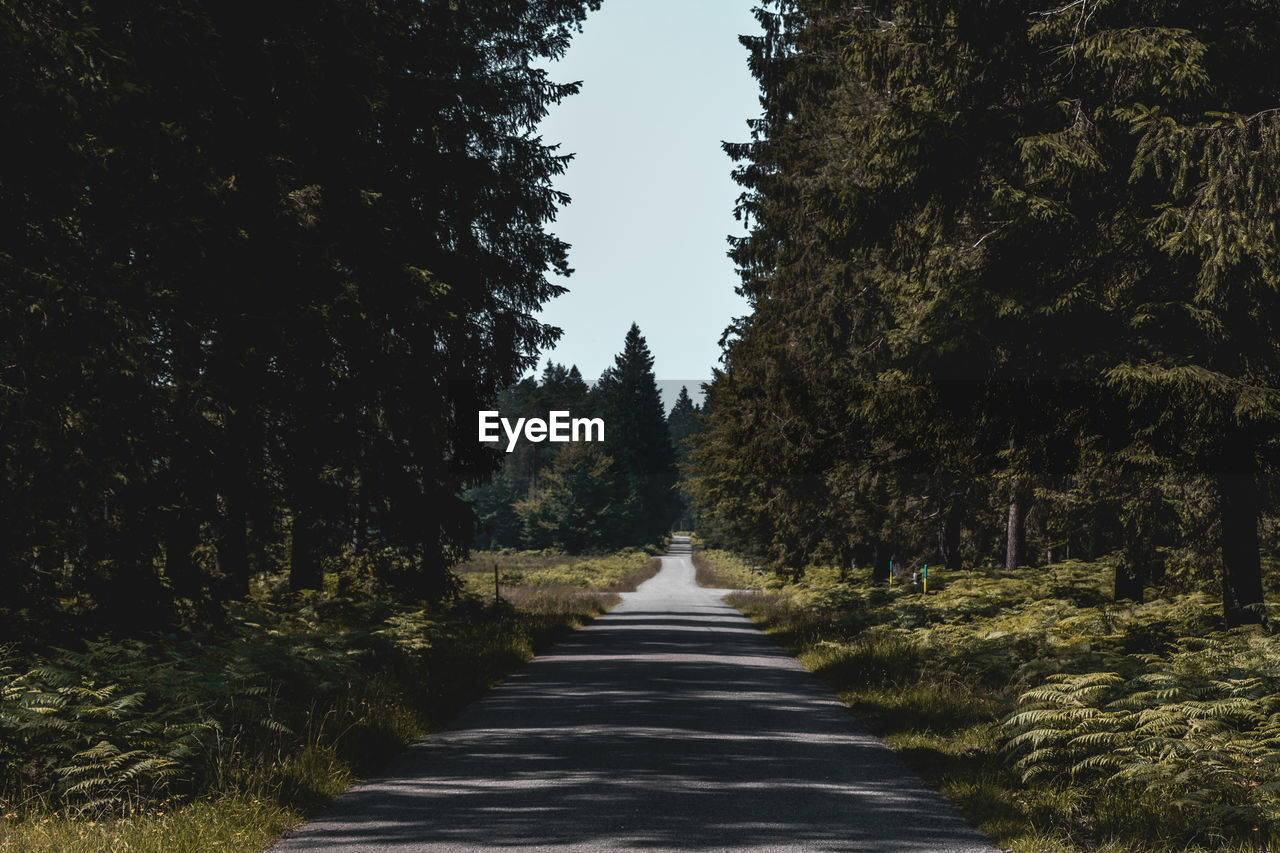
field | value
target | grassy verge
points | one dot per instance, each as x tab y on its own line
1054	718
223	739
724	570
524	572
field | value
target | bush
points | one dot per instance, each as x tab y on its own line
286	700
1055	717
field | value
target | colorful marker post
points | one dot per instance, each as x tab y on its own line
926	578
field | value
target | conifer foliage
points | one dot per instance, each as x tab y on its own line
638	440
1002	253
259	271
584	496
683	423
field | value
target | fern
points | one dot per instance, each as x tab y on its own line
1145	708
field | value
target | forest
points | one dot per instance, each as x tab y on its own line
1013	287
259	275
1012	276
587	496
259	272
1013	282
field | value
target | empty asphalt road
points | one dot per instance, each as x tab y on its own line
671	723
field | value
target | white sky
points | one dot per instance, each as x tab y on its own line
663	83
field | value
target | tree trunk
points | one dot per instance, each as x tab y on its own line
129	595
233	545
429	578
847	559
880	562
304	558
240	452
949	537
182	535
1016	543
360	519
1238	509
1134	567
188	473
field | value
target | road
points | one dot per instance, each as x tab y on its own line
670	723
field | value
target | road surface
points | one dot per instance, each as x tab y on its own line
670	723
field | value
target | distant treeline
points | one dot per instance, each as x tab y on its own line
259	272
1014	275
583	496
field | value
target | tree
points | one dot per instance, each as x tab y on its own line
1171	121
578	505
257	273
683	422
965	260
636	438
522	472
848	271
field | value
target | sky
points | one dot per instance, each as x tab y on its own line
664	82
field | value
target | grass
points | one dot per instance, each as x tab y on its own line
227	822
1055	719
224	739
523	572
724	570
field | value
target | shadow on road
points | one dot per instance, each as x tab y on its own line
669	724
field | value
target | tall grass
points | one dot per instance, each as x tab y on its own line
222	739
725	570
619	572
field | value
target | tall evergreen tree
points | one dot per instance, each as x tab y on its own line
682	424
257	272
636	438
965	261
682	421
1172	124
579	503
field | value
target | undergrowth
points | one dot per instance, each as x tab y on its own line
223	738
725	570
618	572
1053	717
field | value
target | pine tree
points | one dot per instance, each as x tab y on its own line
1173	127
683	422
577	506
243	285
636	438
963	258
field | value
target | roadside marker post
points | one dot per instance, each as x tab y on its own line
926	579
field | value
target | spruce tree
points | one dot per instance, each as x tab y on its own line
683	422
577	506
636	438
964	257
1172	124
261	270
